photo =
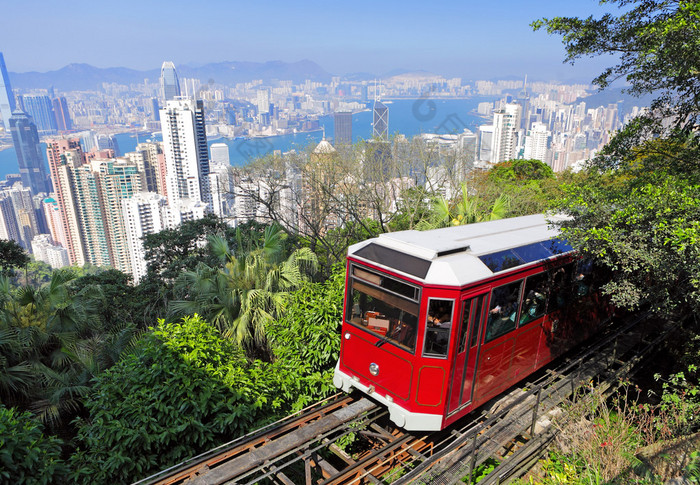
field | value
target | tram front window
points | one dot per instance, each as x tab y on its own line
391	317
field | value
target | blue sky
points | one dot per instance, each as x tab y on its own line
466	38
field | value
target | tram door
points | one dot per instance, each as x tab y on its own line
466	358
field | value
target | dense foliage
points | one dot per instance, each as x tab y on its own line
187	389
26	454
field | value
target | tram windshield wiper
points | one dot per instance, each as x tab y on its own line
383	340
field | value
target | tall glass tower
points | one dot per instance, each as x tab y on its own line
40	108
380	123
7	99
169	84
31	162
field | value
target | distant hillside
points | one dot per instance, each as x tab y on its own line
615	95
87	77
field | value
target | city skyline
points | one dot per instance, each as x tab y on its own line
452	39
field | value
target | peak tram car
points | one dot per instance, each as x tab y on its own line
438	322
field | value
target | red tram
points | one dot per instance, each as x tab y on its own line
438	322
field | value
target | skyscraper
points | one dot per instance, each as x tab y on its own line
169	83
143	214
343	128
506	124
380	121
186	151
7	98
60	110
31	162
65	154
40	108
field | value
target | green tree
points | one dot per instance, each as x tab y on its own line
463	210
248	293
12	256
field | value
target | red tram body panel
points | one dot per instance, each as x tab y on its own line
438	322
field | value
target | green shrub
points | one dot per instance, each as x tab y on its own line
26	454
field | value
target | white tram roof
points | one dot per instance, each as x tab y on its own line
460	255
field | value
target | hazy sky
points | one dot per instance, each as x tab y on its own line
467	38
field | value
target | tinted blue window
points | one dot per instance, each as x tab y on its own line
501	260
532	252
557	246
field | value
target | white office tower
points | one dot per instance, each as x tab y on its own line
144	213
537	143
186	152
220	153
53	255
506	124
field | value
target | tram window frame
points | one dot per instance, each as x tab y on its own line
435	328
400	332
536	297
508	310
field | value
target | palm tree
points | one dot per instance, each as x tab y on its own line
463	211
245	295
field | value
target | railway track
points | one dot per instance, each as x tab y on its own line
305	447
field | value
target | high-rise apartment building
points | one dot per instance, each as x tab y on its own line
169	83
537	143
60	110
8	221
186	151
380	121
40	108
343	128
65	154
144	213
117	180
7	97
506	124
149	159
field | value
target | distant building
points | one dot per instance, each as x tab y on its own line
220	153
380	121
60	110
25	137
343	128
7	98
169	83
40	108
51	254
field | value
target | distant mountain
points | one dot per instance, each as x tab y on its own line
616	95
87	77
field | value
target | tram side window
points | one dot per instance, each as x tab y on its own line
534	299
439	325
503	310
561	292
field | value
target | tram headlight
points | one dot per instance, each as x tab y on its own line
347	335
373	369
